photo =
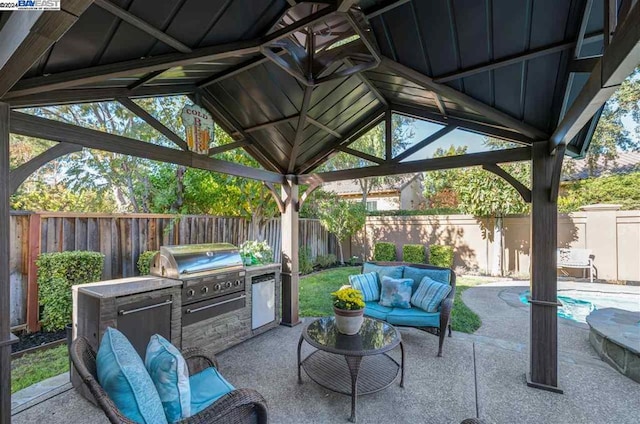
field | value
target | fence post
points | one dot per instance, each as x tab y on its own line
33	308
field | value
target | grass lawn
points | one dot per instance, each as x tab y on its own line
315	299
35	367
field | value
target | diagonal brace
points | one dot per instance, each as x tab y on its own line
524	191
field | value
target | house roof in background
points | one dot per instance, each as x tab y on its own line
625	163
353	187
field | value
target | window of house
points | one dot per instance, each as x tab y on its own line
372	206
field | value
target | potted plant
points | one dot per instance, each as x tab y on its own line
256	252
348	307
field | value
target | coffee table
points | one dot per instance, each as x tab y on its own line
367	367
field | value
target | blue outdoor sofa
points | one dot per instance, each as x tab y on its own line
435	322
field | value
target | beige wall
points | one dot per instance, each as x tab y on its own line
612	235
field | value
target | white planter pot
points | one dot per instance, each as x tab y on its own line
349	322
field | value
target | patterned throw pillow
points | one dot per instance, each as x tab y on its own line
123	376
396	292
170	374
430	294
367	284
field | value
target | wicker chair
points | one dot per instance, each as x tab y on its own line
238	406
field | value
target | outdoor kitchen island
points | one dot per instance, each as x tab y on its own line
197	295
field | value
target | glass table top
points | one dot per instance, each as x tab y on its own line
373	338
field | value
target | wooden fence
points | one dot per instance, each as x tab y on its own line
122	238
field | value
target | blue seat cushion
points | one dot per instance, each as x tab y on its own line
413	317
170	374
367	284
417	274
207	387
376	310
123	376
430	294
383	271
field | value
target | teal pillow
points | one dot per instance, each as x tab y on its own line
207	387
396	292
417	274
430	294
383	271
123	376
170	374
367	284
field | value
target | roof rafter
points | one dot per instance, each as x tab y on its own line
21	173
369	122
84	95
448	162
618	61
304	110
153	122
467	125
99	73
271	124
142	25
27	36
361	155
47	129
510	60
464	99
425	142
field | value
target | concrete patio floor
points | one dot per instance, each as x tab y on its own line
480	375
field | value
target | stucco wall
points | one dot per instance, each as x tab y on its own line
612	235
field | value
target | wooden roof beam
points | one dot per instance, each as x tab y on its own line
304	110
271	124
425	142
26	36
465	124
47	129
390	5
463	99
84	95
100	73
618	61
153	122
448	162
142	25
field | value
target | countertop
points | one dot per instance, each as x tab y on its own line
253	269
126	286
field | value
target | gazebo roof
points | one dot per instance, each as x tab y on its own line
502	68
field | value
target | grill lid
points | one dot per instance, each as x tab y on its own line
192	260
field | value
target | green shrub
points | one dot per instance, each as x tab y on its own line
385	252
304	258
414	253
325	261
144	261
57	272
441	255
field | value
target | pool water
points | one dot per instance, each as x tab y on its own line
578	304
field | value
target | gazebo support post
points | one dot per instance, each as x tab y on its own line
290	264
6	338
543	360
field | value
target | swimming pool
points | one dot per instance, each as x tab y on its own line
577	304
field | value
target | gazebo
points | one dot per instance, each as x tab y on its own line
295	82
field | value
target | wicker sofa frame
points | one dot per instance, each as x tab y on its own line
445	307
237	407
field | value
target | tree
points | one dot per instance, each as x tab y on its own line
342	219
481	193
611	135
373	143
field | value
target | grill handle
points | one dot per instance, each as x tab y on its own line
144	308
193	311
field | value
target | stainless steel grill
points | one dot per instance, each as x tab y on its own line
212	278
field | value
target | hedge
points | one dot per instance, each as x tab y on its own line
441	255
414	253
144	261
305	262
57	272
416	212
385	252
325	261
